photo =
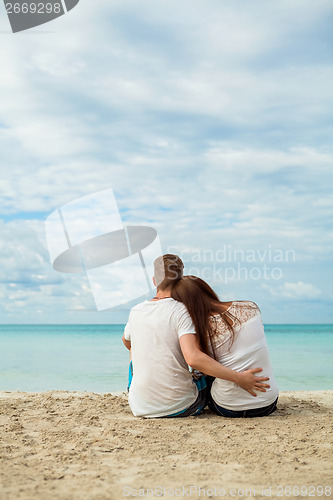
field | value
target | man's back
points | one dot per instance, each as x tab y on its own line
162	384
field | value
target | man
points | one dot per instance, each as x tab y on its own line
162	340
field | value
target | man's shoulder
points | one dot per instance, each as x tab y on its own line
172	305
180	307
175	306
139	306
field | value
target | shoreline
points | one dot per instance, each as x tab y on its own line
123	394
88	446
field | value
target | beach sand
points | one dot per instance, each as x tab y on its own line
71	445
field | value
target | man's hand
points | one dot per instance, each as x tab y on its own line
250	382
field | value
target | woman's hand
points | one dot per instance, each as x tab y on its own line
250	382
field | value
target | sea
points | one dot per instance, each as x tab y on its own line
93	358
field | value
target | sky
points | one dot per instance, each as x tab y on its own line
212	123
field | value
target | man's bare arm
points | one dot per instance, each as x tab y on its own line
127	343
195	358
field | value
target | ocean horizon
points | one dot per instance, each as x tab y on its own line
81	357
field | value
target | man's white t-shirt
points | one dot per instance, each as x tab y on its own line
162	384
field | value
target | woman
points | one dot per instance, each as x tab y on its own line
233	334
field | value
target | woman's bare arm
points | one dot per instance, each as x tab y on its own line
195	358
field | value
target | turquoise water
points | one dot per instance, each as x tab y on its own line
93	358
62	357
301	355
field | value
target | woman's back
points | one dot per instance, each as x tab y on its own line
248	349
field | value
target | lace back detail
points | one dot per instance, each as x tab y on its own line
244	310
238	313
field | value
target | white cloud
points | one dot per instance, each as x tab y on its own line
295	291
209	120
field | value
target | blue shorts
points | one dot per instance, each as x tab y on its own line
130	375
193	410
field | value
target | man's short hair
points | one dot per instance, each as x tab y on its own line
168	269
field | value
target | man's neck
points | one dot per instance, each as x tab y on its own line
162	294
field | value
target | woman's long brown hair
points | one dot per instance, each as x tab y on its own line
203	305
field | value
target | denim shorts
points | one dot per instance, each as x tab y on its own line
254	412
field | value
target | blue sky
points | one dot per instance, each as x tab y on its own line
211	121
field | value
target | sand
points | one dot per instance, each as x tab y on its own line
71	445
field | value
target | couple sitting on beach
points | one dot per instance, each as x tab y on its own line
186	325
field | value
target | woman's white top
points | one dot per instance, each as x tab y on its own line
248	350
162	384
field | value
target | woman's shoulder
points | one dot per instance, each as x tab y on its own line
245	304
237	313
244	310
